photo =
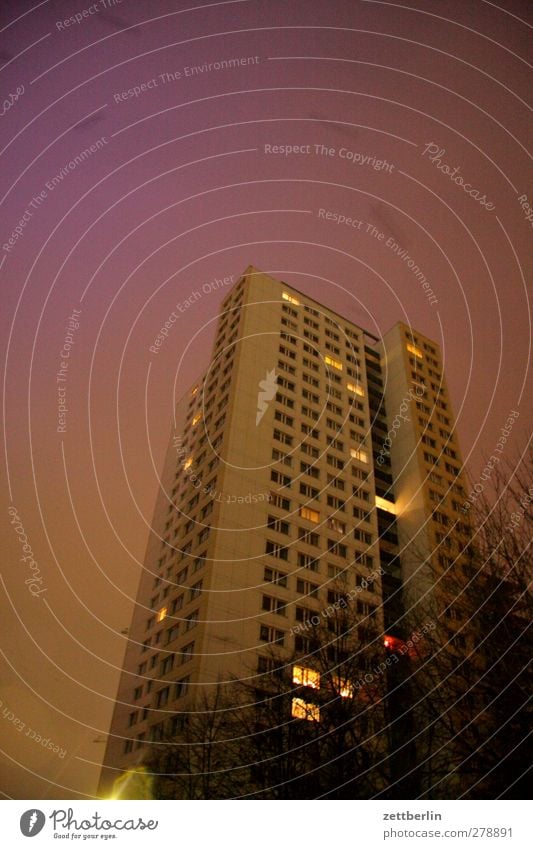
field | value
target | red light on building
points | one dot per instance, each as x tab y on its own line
393	643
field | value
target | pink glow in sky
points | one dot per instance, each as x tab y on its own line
149	148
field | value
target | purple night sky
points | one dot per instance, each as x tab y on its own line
410	119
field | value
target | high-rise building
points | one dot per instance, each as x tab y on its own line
310	449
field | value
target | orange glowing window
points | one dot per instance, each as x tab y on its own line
161	614
393	643
305	710
414	350
359	454
331	362
306	677
310	515
344	688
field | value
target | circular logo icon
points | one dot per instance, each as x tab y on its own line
32	822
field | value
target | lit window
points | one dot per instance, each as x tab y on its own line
310	515
383	504
393	643
290	298
356	388
194	391
162	614
305	710
196	419
187	463
359	454
344	688
336	525
414	350
331	362
306	677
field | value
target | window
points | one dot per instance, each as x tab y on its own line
266	665
306	588
303	614
310	515
337	548
289	311
286	384
172	633
309	491
285	400
273	605
335	502
280	501
176	604
286	322
162	697
334	461
278	477
312	471
305	710
310	537
187	653
199	562
310	431
331	362
302	644
195	591
203	535
181	687
342	687
307	561
167	664
359	454
133	718
191	621
271	635
287	352
356	388
311	414
286	367
336	482
273	576
278	525
290	298
363	536
306	677
284	418
276	550
414	350
161	614
336	525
